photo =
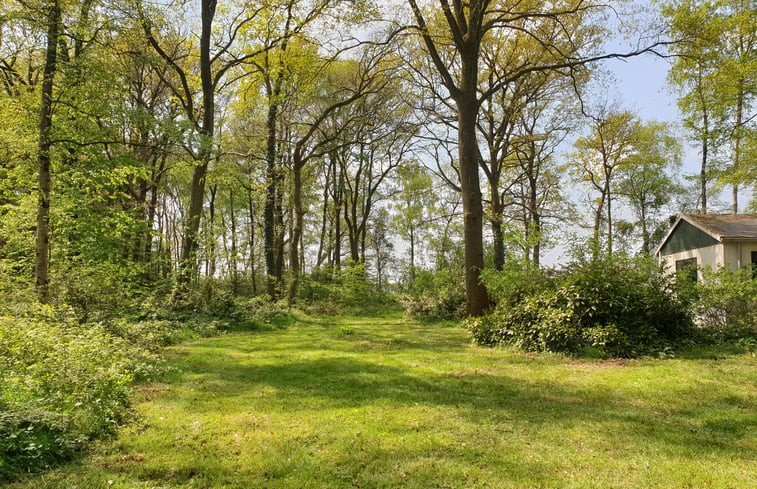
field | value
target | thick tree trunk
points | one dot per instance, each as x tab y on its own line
42	260
467	108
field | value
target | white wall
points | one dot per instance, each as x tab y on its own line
710	256
731	254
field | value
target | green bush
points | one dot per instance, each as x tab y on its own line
435	295
617	306
61	384
515	282
724	303
33	438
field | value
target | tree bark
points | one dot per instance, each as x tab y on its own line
467	107
188	258
42	260
294	252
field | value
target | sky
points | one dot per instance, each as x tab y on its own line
641	86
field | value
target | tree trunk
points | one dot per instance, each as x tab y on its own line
294	252
42	260
233	258
324	218
412	254
737	133
705	149
251	210
188	259
269	229
535	216
609	218
537	243
467	108
338	204
644	230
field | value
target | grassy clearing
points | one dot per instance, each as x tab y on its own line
366	402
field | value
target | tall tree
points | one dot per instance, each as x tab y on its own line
454	45
648	183
601	156
716	74
217	54
42	264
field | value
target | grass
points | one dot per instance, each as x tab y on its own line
387	402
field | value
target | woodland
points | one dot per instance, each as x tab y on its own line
173	170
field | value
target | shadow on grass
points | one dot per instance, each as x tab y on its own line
348	382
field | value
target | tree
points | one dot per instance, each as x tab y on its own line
716	74
601	157
213	66
414	203
647	183
42	264
454	44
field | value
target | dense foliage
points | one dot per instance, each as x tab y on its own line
614	306
723	304
61	383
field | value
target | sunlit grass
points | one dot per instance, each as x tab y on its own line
371	402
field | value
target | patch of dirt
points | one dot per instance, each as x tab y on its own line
151	391
599	364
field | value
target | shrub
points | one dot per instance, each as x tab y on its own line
349	289
724	304
61	384
617	306
515	282
435	295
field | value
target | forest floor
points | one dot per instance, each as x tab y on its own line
388	402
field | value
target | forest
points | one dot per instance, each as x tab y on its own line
173	170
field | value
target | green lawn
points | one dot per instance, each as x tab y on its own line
366	402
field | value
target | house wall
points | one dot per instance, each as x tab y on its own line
730	254
709	256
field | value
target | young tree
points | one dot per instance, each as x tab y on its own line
716	74
648	184
413	207
601	157
42	264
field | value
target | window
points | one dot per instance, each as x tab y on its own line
687	269
754	264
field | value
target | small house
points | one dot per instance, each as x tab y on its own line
697	241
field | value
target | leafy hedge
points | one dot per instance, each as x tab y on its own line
724	303
614	306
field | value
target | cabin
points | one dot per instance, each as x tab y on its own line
697	241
